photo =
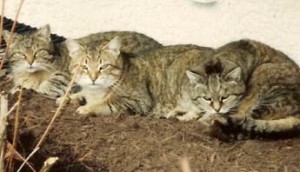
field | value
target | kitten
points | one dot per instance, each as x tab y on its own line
37	63
113	82
266	95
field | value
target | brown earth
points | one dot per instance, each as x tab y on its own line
133	143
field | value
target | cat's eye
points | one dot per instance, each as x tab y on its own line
20	54
101	67
207	98
223	98
41	53
84	67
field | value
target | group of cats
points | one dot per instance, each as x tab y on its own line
244	83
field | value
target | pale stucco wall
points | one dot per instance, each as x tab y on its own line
275	22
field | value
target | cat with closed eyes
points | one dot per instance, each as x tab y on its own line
253	87
37	63
115	82
208	90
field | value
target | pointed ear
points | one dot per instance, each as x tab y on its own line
73	47
6	36
114	46
235	74
44	32
194	77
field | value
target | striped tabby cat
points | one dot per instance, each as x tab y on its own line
113	82
208	90
37	63
253	85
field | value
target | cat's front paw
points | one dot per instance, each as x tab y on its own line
171	114
188	116
14	90
83	110
61	99
237	119
211	119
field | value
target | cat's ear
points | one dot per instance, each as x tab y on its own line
114	46
44	32
194	77
73	47
235	74
6	36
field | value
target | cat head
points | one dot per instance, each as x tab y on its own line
32	51
100	66
216	93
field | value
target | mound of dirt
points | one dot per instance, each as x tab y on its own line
134	143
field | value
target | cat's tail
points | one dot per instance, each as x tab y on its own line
284	125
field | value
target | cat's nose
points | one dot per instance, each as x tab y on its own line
30	60
217	110
216	106
93	76
93	80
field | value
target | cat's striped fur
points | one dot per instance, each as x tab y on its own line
113	83
271	98
132	42
208	91
37	63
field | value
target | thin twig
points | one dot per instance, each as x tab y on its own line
16	127
1	31
2	20
3	112
12	108
18	155
26	160
11	33
48	164
185	165
56	114
58	110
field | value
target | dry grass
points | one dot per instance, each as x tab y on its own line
11	152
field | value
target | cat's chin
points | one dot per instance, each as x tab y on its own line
32	70
95	86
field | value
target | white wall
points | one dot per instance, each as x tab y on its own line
275	22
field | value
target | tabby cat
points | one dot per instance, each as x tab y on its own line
207	91
115	82
251	86
37	63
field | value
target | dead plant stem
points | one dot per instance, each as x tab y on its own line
3	112
48	164
56	114
2	20
11	32
16	127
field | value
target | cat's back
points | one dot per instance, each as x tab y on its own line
164	70
132	42
184	54
252	51
250	55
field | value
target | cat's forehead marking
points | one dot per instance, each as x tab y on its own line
92	54
214	84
